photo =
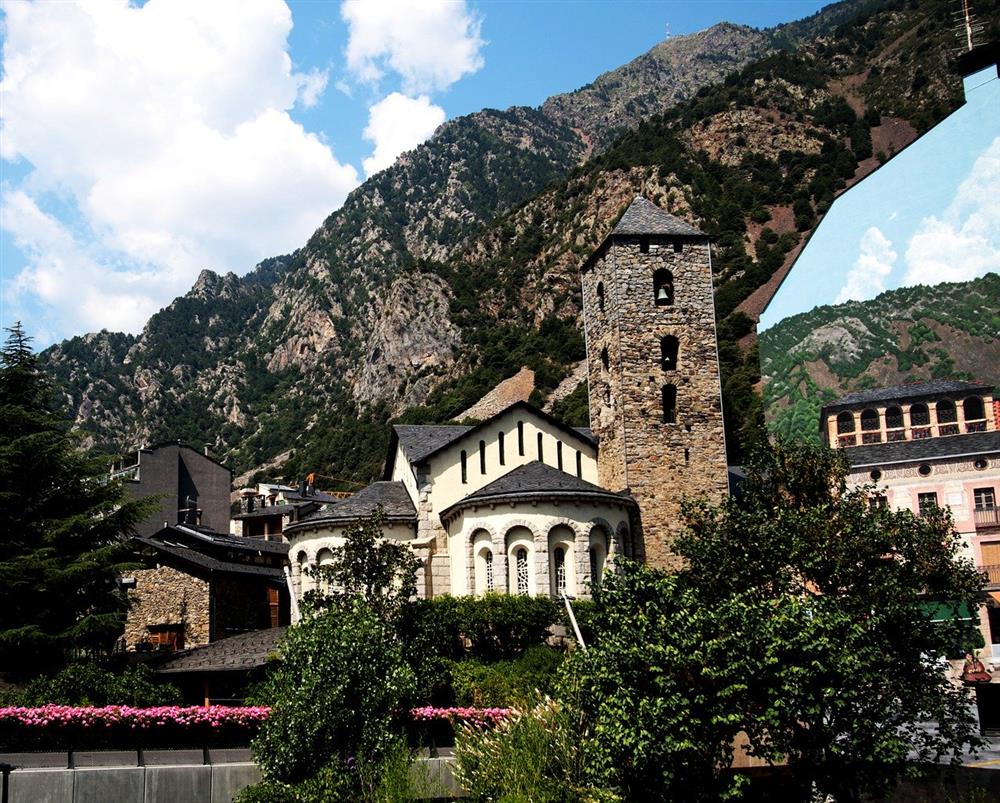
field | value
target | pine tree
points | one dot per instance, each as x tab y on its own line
63	527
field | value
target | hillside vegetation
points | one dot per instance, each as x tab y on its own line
915	333
451	270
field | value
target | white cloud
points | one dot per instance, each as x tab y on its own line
311	85
430	44
396	124
964	242
164	129
866	278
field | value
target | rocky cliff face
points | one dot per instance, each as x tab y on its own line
456	267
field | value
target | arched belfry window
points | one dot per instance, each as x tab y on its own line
669	346
893	417
946	413
669	404
869	420
663	287
973	408
600	296
919	416
845	423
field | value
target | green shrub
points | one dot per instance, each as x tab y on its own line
342	693
504	626
89	684
503	684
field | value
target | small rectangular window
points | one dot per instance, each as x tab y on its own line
559	455
927	502
678	246
644	245
500	445
520	438
579	465
541	455
482	457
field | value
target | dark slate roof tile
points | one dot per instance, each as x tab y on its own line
420	440
194	558
391	496
537	480
645	217
880	454
910	391
242	652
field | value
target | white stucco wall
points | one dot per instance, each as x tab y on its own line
445	470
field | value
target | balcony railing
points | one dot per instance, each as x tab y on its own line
987	517
948	429
992	574
975	426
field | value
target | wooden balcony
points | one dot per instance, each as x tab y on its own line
987	518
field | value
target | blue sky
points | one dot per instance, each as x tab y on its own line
144	142
930	215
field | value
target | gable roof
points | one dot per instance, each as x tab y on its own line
645	217
392	497
537	480
933	387
420	446
948	446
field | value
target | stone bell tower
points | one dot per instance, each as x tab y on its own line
653	370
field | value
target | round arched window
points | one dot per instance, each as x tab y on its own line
876	474
924	470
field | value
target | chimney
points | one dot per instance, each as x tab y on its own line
247	498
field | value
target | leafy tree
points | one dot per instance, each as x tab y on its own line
63	527
800	619
380	570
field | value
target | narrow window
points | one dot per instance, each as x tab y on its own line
465	467
482	457
595	568
600	296
520	438
503	461
669	346
644	245
845	423
579	465
605	360
521	564
678	246
559	560
927	502
669	404
687	456
663	287
541	454
559	455
488	560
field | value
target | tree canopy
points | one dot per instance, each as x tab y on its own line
63	527
801	618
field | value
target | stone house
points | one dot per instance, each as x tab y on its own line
523	504
931	444
197	586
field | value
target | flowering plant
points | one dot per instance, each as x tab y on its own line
79	727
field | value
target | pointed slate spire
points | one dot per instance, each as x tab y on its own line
645	217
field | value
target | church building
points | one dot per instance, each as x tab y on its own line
523	504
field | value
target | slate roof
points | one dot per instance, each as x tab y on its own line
208	563
392	496
212	538
267	510
932	387
645	217
587	432
881	454
419	440
232	654
536	480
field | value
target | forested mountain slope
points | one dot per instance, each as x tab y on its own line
449	271
915	333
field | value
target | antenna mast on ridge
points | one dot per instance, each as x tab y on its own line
966	26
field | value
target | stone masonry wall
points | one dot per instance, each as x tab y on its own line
661	463
167	596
